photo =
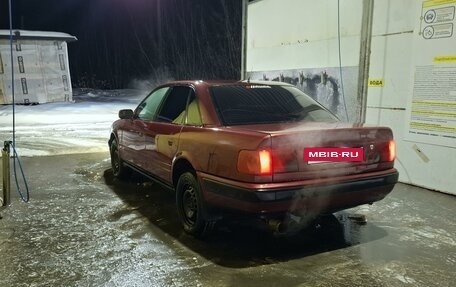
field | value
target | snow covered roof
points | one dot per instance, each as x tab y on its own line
37	35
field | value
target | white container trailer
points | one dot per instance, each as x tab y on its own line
41	67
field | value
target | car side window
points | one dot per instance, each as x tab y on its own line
147	110
190	116
174	105
193	113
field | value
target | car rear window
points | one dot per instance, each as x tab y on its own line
262	104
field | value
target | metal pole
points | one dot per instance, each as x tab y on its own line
364	57
161	62
10	7
6	174
244	40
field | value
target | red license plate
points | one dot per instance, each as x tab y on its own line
333	154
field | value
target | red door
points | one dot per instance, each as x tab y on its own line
162	134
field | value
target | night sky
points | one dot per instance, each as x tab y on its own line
123	40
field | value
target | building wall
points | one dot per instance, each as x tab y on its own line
398	50
301	34
294	34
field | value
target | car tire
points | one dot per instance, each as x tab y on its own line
190	207
118	168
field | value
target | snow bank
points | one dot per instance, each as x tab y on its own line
64	128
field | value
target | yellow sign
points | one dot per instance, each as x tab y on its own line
431	3
445	59
376	83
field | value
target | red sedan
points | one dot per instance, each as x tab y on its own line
263	149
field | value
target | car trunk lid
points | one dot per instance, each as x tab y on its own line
289	141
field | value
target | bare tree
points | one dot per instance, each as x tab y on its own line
184	39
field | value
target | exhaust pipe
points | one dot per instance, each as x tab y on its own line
289	225
276	225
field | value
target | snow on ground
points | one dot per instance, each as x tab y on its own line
62	128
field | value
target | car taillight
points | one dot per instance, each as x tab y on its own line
391	150
388	151
255	162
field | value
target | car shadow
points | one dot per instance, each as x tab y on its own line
234	244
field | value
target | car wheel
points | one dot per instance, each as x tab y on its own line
118	169
190	207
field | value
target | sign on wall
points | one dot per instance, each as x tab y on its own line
432	108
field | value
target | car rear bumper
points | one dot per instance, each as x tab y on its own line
328	195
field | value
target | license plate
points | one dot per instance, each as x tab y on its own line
329	154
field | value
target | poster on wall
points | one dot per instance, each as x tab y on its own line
323	84
432	107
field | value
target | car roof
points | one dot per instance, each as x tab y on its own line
228	82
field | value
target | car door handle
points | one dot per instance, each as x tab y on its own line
170	142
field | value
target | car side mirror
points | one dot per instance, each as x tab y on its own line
126	114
